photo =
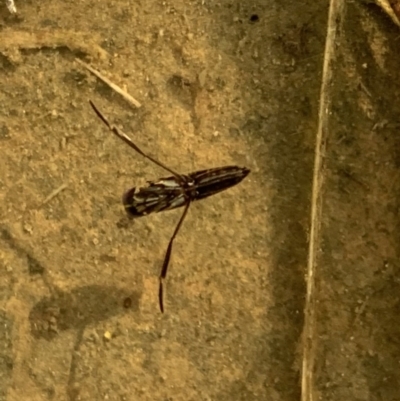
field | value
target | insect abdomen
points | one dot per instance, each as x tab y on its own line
212	181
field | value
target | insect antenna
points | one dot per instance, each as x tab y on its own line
167	257
129	142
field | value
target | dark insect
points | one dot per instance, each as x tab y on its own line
174	191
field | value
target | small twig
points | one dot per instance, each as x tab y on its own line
54	194
113	86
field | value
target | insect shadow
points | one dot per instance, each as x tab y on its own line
70	310
76	309
178	190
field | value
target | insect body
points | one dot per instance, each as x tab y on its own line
172	192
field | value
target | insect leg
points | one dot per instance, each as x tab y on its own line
129	141
167	257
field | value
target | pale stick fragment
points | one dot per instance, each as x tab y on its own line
11	40
387	7
11	6
54	194
310	333
113	86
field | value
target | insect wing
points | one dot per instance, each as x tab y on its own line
211	181
165	194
